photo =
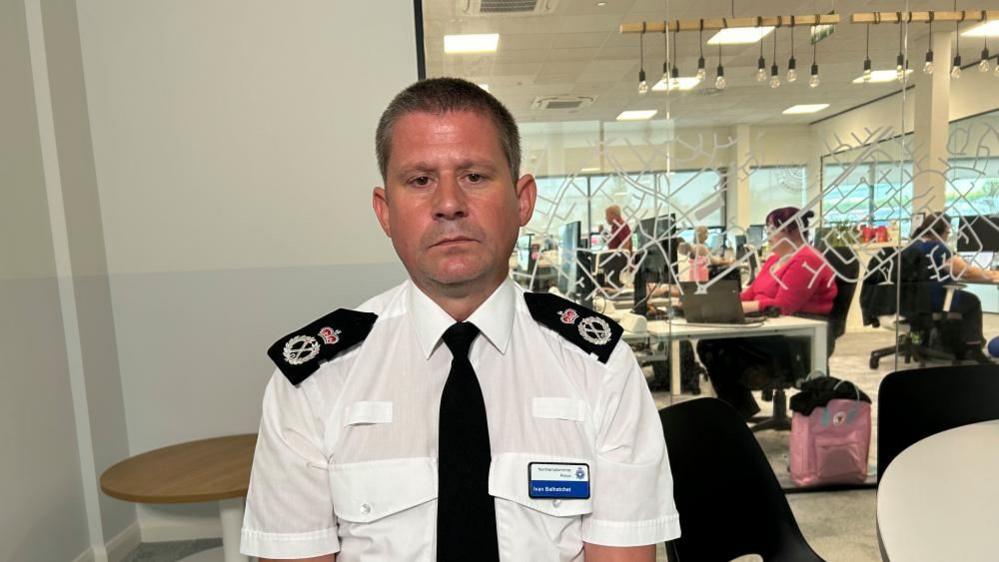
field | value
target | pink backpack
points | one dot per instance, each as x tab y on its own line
831	445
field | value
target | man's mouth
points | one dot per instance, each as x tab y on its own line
453	240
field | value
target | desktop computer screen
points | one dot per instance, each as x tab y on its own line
978	234
755	234
568	244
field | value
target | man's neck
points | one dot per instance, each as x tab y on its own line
460	302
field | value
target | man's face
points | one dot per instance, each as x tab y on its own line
449	204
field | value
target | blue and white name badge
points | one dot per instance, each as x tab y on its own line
559	480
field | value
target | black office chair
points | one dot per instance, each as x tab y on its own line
916	319
728	497
847	269
917	403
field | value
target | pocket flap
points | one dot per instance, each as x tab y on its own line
367	491
571	409
508	479
369	412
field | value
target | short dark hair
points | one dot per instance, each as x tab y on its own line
442	95
933	223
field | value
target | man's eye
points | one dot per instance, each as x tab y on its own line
421	181
475	178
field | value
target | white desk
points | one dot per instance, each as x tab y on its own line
939	498
678	330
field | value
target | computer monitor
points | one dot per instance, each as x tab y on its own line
978	234
755	234
568	244
525	263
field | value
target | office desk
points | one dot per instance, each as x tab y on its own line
939	498
986	292
198	471
678	330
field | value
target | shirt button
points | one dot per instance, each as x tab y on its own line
365	508
556	503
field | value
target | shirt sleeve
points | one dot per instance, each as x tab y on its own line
289	511
632	489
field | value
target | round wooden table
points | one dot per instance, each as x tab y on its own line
939	498
216	469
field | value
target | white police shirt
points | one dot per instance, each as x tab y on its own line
346	462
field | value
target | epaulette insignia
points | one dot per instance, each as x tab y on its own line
302	352
590	330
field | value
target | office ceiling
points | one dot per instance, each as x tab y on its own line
577	50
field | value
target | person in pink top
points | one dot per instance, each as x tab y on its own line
794	280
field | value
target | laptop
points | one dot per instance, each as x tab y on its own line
720	305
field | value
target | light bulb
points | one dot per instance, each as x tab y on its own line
701	73
813	80
900	67
955	69
775	82
792	71
867	70
720	80
761	70
928	65
643	86
997	69
983	65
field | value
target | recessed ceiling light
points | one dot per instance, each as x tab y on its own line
474	43
682	83
601	4
739	35
484	87
805	108
589	170
880	76
984	29
637	115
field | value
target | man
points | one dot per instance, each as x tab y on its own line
456	417
618	229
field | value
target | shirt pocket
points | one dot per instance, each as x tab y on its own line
365	492
368	412
529	528
555	408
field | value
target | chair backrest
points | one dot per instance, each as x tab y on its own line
847	269
729	500
917	403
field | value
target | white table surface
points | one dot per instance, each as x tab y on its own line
939	498
678	329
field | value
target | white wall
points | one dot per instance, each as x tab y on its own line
234	154
42	511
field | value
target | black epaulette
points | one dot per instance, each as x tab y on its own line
590	330
302	352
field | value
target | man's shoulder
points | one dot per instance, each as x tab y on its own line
594	333
299	354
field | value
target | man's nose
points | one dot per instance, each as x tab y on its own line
449	199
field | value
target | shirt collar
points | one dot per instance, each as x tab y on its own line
494	317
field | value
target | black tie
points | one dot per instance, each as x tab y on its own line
466	519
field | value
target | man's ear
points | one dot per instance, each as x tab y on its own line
379	201
527	195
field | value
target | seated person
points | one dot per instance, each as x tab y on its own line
949	267
619	232
701	257
795	280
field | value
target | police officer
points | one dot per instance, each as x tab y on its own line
456	417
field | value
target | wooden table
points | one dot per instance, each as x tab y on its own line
215	469
939	498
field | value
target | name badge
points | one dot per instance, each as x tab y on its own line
559	480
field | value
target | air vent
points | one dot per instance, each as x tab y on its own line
508	7
561	102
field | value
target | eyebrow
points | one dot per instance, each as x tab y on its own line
428	167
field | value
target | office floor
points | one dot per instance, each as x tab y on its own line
840	526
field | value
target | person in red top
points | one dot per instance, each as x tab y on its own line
620	232
795	280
